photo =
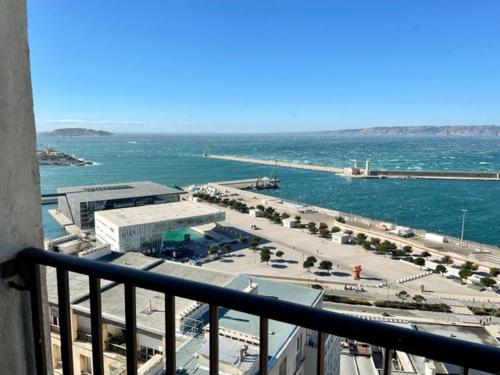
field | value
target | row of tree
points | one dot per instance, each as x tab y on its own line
224	202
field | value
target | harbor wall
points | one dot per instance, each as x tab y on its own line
459	175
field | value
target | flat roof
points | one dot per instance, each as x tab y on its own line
79	283
88	193
157	213
279	332
151	304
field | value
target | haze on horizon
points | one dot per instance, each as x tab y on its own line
276	66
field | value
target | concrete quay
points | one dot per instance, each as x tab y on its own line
402	174
369	227
285	164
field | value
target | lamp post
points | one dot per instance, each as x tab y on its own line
463	225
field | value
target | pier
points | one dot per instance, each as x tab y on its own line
277	163
354	172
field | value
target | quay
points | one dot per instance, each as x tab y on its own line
276	163
355	172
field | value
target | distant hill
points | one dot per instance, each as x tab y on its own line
76	132
457	130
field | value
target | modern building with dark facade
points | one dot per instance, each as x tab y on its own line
79	203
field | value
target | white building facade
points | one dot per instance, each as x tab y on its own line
142	228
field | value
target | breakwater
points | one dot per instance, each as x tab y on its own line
285	164
410	174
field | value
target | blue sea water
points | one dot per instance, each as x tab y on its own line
434	205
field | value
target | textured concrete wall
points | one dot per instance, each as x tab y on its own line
20	215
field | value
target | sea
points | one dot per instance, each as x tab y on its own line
177	160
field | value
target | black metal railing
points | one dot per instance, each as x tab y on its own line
449	350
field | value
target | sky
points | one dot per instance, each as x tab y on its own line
263	66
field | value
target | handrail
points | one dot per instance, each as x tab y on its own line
441	348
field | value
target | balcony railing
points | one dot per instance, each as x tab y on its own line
449	350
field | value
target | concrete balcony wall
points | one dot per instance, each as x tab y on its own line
20	212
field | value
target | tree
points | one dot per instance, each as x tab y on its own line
441	269
419	262
403	295
261	207
447	259
323	226
312	227
335	229
280	253
308	264
312	259
360	238
469	265
367	245
284	215
298	218
488	282
265	256
494	271
243	239
426	254
325	265
212	250
375	241
407	249
254	243
227	248
348	232
418	298
324	232
465	273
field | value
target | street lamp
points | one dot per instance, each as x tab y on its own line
463	225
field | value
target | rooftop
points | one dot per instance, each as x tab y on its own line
151	304
88	193
279	332
157	213
79	284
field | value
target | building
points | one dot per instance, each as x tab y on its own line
292	349
79	203
254	212
290	223
340	238
143	228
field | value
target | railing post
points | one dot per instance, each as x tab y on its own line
263	345
96	325
320	359
214	340
387	361
170	334
37	319
65	321
131	329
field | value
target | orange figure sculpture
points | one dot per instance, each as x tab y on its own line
357	272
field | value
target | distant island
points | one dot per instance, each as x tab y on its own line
76	132
456	130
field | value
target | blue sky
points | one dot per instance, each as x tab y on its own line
259	66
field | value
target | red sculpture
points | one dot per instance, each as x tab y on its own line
357	272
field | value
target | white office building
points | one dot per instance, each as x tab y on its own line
143	228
